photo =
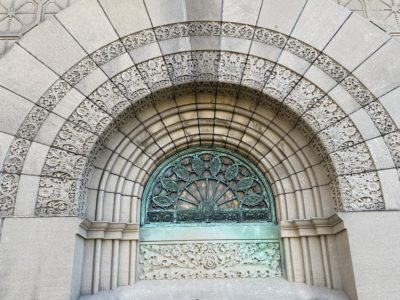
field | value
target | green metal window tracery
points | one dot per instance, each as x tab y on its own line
207	186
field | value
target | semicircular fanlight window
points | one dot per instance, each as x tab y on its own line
207	185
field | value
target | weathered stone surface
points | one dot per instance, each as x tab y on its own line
52	34
24	250
132	17
272	86
251	289
317	26
91	40
383	13
355	42
209	260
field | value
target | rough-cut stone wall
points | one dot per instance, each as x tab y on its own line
19	16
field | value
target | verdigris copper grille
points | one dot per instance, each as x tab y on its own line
207	185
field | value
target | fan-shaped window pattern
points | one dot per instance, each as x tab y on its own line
207	185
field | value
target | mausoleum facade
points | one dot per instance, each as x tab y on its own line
167	141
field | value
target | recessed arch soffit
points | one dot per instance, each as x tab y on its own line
94	117
245	125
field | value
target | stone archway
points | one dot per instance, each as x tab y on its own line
327	77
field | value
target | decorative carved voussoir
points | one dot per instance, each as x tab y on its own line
302	50
201	28
155	73
354	159
131	84
64	164
75	139
231	67
256	72
171	31
108	52
207	63
341	135
59	197
281	82
110	99
235	30
16	156
380	117
392	140
139	39
180	67
360	192
306	94
54	94
91	117
323	114
331	67
183	90
206	87
79	71
356	89
8	193
32	123
269	37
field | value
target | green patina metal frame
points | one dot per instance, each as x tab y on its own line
256	175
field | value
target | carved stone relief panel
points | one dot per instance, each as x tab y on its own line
219	259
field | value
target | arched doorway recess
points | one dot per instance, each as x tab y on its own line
327	138
298	194
208	213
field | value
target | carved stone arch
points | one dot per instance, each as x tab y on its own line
329	130
334	83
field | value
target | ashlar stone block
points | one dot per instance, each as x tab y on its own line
319	22
166	11
29	77
204	10
380	73
355	42
241	11
128	16
280	15
95	32
13	111
53	45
